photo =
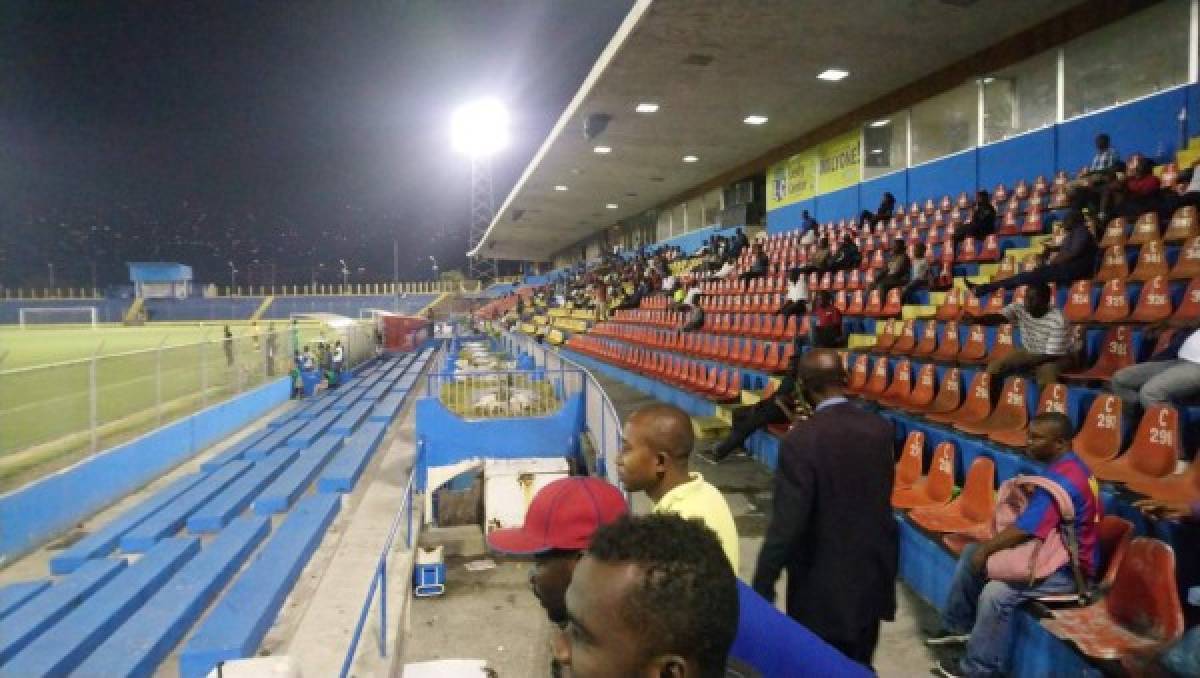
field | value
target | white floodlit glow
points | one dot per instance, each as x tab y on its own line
876	151
560	187
690	158
611	205
646	107
881	123
479	128
755	120
988	80
832	74
602	149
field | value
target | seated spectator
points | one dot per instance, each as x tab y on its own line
738	243
922	274
1074	260
695	318
726	270
759	264
691	296
819	260
1136	194
896	271
1045	338
780	408
807	223
983	220
1088	190
651	597
848	257
796	301
1187	191
634	300
887	205
655	449
826	328
1171	375
979	610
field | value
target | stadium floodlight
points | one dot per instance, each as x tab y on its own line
480	128
32	317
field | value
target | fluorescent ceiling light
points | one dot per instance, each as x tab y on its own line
602	149
646	107
876	151
832	74
988	80
881	123
611	205
690	158
560	187
755	119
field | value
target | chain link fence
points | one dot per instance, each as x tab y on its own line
56	414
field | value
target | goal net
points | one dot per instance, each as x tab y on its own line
58	315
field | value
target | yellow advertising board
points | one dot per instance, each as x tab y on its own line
839	163
792	180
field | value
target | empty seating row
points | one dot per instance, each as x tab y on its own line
767	356
714	383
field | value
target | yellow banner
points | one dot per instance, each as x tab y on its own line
839	163
792	180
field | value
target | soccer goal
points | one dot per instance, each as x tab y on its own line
58	315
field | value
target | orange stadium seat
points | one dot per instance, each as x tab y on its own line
949	395
1115	233
1183	225
1114	264
1145	229
901	387
1151	261
948	348
1116	352
1189	309
922	393
878	382
912	456
1141	612
934	489
928	343
1010	413
1099	439
858	374
1053	399
974	348
1153	303
886	337
976	405
1114	303
1078	308
906	338
972	508
1188	264
1155	448
950	308
892	305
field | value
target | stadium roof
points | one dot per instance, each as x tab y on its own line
710	63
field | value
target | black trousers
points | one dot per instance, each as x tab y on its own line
862	648
793	307
1050	273
747	420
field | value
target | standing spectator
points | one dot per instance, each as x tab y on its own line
896	270
227	344
1171	375
922	274
272	348
796	301
1074	260
831	525
887	205
339	359
780	408
655	449
758	265
826	328
651	597
983	219
1045	338
848	257
295	332
979	610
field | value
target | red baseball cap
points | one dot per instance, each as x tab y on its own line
563	515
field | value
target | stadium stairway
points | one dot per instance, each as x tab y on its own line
206	543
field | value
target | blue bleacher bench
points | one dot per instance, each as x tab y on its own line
172	516
227	505
385	410
348	398
290	484
16	594
237	623
350	419
60	649
277	438
147	637
235	451
313	429
343	471
104	540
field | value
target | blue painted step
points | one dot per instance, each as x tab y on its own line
16	594
104	540
343	471
377	391
142	642
63	646
168	521
224	507
292	483
234	452
37	615
386	409
313	429
350	419
348	399
237	623
277	438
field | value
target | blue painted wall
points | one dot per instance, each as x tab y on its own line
690	242
43	509
837	205
1022	157
872	190
950	175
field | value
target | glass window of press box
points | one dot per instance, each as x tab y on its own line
885	145
945	124
1020	98
1141	54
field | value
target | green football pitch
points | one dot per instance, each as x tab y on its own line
51	392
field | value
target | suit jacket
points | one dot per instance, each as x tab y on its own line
832	525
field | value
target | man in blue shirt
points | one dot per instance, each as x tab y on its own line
978	610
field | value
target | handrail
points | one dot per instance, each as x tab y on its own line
406	512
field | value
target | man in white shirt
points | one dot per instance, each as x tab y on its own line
1045	338
726	270
796	302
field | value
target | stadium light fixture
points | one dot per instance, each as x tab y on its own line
611	205
480	128
560	187
647	107
690	158
881	123
876	151
832	74
755	120
602	149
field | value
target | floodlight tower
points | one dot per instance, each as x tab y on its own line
479	130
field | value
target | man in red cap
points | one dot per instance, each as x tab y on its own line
558	528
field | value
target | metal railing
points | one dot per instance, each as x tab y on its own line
505	394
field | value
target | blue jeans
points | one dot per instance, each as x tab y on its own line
984	609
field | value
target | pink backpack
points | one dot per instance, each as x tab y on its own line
1034	559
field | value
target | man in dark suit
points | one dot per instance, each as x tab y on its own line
832	526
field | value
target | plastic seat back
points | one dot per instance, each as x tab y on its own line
1053	399
874	303
990	250
1144	230
1151	261
940	483
901	386
1012	411
1144	598
1187	266
1154	302
1115	233
923	387
1183	225
979	491
1006	269
928	343
977	402
1099	439
892	305
949	309
878	382
906	338
1003	344
1113	535
1189	308
975	346
886	337
948	347
1116	352
1114	264
1114	304
1156	444
949	395
858	375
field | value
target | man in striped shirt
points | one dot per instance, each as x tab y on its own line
1045	338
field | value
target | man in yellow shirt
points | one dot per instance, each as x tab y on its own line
657	442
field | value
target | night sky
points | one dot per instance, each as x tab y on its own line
293	133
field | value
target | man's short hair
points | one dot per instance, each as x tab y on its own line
687	601
1060	422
